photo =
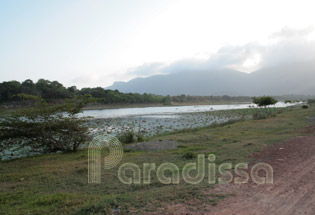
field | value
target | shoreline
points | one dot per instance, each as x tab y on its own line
120	106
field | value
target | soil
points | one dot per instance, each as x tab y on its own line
293	191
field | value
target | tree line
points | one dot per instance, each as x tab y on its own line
53	91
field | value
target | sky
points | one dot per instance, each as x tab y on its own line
97	42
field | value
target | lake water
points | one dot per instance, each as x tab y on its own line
149	121
155	120
168	112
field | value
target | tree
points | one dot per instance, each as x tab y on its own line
46	127
52	90
264	101
167	100
98	92
28	87
72	89
8	90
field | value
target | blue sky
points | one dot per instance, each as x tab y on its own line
94	43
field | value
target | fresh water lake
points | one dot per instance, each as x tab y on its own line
155	120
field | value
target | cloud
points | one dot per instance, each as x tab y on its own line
290	46
283	47
288	32
96	79
146	69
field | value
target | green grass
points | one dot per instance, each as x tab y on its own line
57	183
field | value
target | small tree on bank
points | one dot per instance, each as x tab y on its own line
46	127
264	101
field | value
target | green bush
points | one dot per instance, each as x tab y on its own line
92	210
260	115
266	113
130	137
46	127
264	101
127	137
140	138
189	155
311	102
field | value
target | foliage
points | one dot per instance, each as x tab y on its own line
304	107
311	102
9	89
167	100
140	138
266	113
260	115
130	137
27	97
189	155
264	101
51	90
55	92
127	137
45	127
217	99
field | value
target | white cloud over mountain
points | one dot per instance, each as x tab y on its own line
286	46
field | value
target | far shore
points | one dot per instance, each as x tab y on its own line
116	106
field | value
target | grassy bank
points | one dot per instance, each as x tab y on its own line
57	183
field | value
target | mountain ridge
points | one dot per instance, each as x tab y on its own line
295	78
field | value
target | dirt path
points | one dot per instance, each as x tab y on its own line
293	191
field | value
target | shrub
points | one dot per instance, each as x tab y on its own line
167	100
311	102
127	137
46	127
266	113
140	138
260	115
92	209
304	106
189	155
130	137
264	101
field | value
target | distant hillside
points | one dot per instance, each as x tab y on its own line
289	79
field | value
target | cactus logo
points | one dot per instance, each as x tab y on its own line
96	161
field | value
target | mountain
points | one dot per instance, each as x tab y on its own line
297	78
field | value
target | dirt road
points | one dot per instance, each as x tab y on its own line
293	191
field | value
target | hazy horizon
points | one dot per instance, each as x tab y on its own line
96	44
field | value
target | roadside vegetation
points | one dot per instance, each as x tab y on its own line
57	183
